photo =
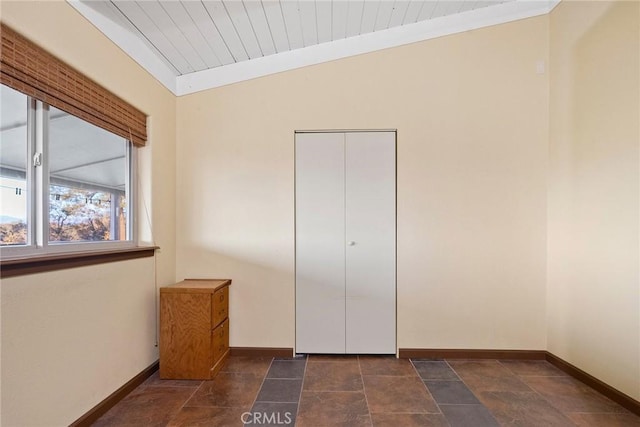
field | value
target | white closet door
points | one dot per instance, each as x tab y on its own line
371	242
320	244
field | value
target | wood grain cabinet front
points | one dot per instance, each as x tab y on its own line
220	341
194	329
220	304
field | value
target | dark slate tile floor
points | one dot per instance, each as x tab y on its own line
375	391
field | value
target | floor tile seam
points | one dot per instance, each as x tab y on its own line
464	382
499	376
478	401
479	404
565	412
495	377
463	404
304	376
415	369
184	404
237	374
425	387
172	386
261	384
452	370
406	412
543	376
144	387
333	391
364	391
456	372
491	414
218	406
540	362
507	391
549	401
524	375
288	379
272	401
388	376
507	368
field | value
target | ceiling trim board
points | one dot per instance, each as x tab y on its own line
311	55
130	44
392	37
553	4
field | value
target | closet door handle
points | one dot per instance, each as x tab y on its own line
351	243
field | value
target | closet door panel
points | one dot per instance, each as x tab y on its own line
320	245
370	242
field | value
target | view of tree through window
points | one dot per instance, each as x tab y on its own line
76	214
88	180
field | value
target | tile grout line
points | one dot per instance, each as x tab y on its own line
260	388
472	392
185	402
522	378
304	375
566	414
464	404
364	391
561	374
425	387
468	388
335	391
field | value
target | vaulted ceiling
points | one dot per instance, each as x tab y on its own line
195	45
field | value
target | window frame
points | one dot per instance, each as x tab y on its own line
38	185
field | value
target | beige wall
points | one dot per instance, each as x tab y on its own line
72	337
594	281
472	120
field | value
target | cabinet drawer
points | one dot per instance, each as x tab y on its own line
220	306
220	341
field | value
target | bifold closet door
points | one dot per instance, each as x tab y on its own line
370	224
320	244
345	242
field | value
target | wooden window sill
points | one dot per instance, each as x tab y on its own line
51	262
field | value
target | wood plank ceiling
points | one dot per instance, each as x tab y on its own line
190	36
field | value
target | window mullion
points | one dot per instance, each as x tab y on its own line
130	193
42	176
30	173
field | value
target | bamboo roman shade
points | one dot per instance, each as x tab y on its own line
33	71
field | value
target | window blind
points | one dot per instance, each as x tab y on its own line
33	71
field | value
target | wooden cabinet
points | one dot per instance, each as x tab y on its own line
194	329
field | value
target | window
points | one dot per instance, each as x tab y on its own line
66	163
66	183
14	215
